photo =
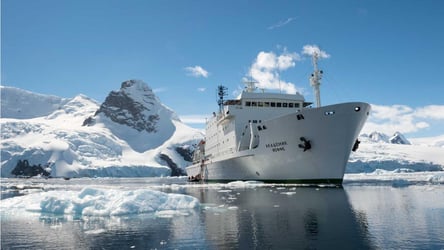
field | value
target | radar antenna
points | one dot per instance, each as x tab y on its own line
221	92
315	79
250	85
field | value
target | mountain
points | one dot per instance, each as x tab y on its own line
131	134
22	104
378	151
396	138
136	115
378	137
399	138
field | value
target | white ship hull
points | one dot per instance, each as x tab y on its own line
332	131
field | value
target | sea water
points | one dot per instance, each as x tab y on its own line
78	214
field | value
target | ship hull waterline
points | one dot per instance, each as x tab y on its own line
281	156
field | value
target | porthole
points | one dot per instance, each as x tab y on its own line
357	109
329	113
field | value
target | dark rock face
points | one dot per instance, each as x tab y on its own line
175	170
399	138
186	152
25	170
122	108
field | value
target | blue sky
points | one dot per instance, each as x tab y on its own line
385	52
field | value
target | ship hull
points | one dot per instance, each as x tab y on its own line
283	154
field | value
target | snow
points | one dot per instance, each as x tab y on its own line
380	154
22	104
437	141
101	202
54	134
395	178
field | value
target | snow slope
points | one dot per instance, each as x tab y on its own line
376	151
22	104
100	147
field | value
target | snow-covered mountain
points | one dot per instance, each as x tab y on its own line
131	134
396	138
22	104
399	138
378	151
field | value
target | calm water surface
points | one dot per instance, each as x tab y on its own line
253	216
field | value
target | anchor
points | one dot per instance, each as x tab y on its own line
356	145
306	145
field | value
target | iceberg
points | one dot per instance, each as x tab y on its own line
101	202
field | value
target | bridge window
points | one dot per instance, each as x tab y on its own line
248	104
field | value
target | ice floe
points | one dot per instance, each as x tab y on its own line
92	201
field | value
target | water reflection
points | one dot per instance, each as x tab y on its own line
282	218
239	217
252	217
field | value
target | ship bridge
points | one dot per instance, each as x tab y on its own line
275	103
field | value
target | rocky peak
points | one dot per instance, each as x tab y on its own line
138	84
399	138
134	105
378	137
396	138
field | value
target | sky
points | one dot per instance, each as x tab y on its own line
385	52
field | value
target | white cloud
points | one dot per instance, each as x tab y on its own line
432	112
281	23
159	90
405	119
201	89
267	67
197	71
194	119
311	49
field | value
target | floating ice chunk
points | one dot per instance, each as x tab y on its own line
54	205
100	202
95	231
170	213
225	191
244	184
436	178
288	193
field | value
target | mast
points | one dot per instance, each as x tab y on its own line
315	79
221	92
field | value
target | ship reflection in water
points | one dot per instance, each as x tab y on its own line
282	218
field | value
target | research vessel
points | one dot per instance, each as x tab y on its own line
277	137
